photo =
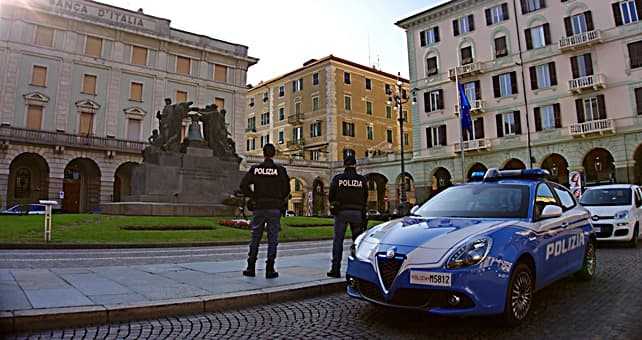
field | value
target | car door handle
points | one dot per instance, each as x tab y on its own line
564	225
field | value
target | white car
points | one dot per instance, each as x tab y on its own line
616	211
25	209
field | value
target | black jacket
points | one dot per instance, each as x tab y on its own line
271	185
349	189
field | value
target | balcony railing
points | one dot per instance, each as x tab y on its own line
250	130
62	139
476	105
476	144
466	70
580	40
295	118
589	82
296	143
593	126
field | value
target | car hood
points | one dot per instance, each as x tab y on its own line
606	210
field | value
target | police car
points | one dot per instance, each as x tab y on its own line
478	248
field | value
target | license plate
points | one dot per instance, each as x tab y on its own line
430	278
597	229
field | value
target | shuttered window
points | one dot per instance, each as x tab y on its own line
220	73
133	129
39	76
34	117
136	92
181	96
139	55
44	36
220	103
182	65
638	99
500	47
635	54
89	84
431	66
86	123
93	46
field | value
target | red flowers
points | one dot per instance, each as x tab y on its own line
243	224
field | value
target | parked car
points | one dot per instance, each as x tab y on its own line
478	248
373	213
25	209
616	212
289	213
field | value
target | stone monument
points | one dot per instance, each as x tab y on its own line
192	178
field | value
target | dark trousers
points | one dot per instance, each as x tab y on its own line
341	221
271	217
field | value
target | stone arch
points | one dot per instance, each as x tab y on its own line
557	165
28	179
575	8
466	41
598	167
81	186
441	179
494	34
429	53
122	181
377	192
535	20
513	163
476	168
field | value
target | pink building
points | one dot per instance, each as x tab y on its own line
552	84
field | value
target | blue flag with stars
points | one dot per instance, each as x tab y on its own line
464	110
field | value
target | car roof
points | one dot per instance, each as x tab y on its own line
613	186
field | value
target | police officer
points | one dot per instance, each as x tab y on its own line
271	189
348	196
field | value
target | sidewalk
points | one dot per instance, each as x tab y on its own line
33	299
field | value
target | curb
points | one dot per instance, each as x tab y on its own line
65	317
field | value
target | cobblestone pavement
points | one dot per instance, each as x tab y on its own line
609	307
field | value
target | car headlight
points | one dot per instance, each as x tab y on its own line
620	215
471	253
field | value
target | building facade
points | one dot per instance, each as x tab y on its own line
80	85
552	84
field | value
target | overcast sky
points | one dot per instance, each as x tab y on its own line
283	34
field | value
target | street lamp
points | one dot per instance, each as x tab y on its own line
400	97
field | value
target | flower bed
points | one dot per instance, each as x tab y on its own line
242	224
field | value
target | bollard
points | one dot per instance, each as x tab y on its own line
48	209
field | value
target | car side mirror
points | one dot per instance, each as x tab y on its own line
414	209
551	211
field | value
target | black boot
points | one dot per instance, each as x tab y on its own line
334	272
250	269
270	273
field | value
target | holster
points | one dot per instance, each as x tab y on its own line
334	207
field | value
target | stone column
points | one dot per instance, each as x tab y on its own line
624	171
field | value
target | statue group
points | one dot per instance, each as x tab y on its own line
170	120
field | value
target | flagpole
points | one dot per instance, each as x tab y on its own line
461	127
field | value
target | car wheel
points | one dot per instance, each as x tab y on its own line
590	262
519	296
634	240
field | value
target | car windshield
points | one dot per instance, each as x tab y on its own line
479	201
611	196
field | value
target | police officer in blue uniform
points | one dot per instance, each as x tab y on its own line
348	196
271	188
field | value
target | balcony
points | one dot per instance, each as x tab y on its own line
476	106
580	40
476	144
465	70
295	119
594	126
592	82
296	144
250	131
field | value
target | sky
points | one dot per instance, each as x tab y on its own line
283	34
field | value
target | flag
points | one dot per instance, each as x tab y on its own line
464	110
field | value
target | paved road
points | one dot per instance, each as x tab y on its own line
610	307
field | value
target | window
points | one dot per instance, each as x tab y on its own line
368	84
466	55
508	124
370	132
44	36
251	123
251	104
220	73
89	84
543	76
93	46
473	90
463	25
478	130
531	5
347	103
297	108
348	129
182	65
315	129
265	118
581	66
368	107
181	96
505	84
388	112
133	129
315	78
266	96
39	76
626	12
265	139
579	23
389	136
297	133
589	109
429	37
346	78
388	89
638	99
406	138
136	92
635	54
220	103
543	197
566	198
315	103
281	90
538	36
433	100
86	126
281	113
496	14
297	85
500	47
315	155
281	137
139	55
436	136
547	117
431	66
34	117
250	144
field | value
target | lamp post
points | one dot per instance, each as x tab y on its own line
400	97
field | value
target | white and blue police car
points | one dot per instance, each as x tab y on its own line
479	248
